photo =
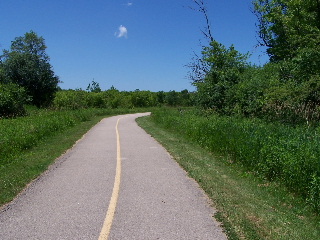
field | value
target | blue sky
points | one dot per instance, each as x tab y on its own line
135	44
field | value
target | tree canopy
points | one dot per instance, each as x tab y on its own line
287	26
287	88
27	65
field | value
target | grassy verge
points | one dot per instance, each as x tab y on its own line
28	145
249	207
281	153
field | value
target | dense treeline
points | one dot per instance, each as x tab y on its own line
113	98
286	89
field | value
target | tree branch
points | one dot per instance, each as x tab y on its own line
201	7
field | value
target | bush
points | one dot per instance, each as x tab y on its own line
12	100
277	152
143	99
71	100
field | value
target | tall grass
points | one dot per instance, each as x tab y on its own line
20	134
286	154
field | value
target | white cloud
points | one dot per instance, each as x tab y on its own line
128	4
122	32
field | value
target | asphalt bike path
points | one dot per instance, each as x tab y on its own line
116	183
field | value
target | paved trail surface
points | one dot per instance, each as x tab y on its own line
156	199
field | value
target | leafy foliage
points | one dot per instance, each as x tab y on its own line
287	88
286	26
12	100
226	67
143	99
113	98
27	64
94	87
277	152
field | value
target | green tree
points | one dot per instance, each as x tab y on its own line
286	26
185	98
94	87
2	72
226	66
27	64
112	97
161	96
291	31
143	98
172	98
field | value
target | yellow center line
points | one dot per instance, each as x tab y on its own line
105	231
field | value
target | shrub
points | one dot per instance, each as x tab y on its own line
71	100
12	100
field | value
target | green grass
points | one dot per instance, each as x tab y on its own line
249	207
282	153
28	145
